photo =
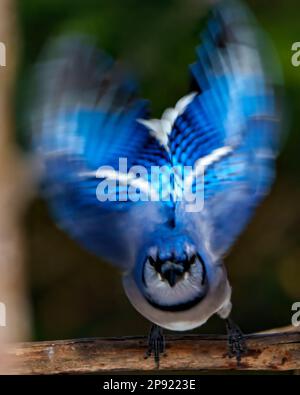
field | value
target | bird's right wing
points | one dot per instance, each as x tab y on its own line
84	120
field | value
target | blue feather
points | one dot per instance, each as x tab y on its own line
87	117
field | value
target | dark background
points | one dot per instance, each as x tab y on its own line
73	294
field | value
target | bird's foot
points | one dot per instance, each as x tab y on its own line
236	341
156	343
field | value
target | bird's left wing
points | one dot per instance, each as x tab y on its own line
229	130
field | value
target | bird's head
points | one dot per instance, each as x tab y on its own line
173	283
179	290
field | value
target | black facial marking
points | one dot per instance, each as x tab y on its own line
172	269
178	268
180	306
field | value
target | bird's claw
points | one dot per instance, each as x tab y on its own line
236	341
156	343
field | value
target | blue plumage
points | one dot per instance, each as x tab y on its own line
89	115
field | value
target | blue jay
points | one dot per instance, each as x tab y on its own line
88	119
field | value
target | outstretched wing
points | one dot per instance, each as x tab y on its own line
85	120
230	130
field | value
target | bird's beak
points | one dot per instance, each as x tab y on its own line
172	273
172	277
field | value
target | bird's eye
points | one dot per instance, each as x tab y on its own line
192	260
151	261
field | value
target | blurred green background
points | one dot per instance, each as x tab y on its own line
73	294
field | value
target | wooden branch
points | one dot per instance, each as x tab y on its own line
267	351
